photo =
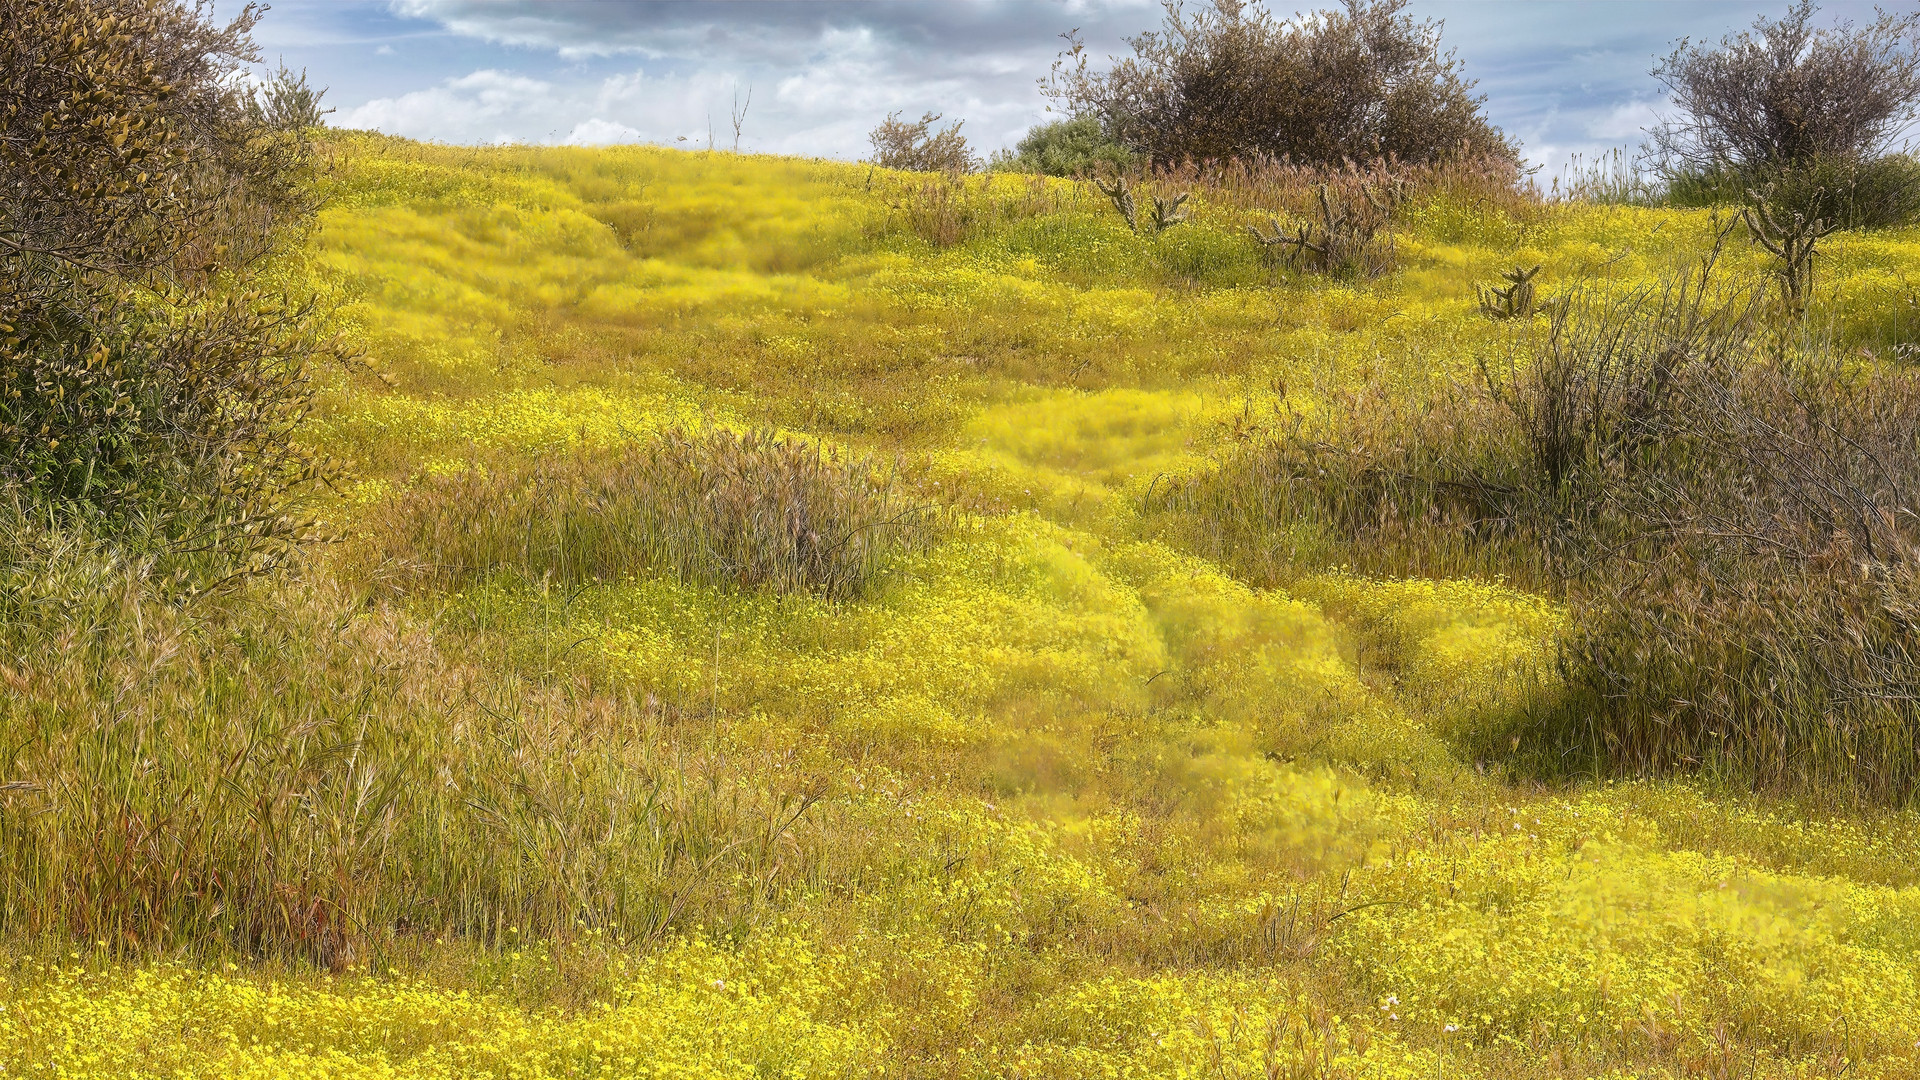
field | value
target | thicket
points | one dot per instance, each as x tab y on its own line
1814	115
149	384
1362	82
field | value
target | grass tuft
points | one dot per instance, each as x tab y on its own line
715	508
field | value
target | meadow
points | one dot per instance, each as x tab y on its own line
1011	764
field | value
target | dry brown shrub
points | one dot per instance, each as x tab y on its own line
1786	93
1230	80
914	146
147	389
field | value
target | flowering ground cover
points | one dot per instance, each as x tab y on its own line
1052	794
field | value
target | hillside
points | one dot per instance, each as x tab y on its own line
1029	775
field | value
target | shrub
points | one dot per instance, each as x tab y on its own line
1227	81
286	103
1810	112
145	389
916	147
1076	147
1761	622
717	508
1784	93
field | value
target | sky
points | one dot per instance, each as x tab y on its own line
1563	77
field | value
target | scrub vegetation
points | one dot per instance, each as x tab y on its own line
782	618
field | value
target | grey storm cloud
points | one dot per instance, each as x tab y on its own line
1561	77
936	35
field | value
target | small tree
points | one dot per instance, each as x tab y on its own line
1362	82
1786	94
915	146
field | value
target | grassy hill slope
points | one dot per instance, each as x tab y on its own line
481	791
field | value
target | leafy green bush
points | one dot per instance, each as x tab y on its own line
1065	148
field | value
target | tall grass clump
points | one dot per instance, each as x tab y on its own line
715	508
946	209
1757	617
297	776
1881	193
1614	178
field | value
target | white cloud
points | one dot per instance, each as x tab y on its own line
824	106
598	132
484	106
1624	121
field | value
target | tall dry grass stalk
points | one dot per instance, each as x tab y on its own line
946	209
1261	185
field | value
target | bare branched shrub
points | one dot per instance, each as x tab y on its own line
143	391
914	146
1785	93
1602	394
753	511
1229	80
1793	239
1812	112
284	102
